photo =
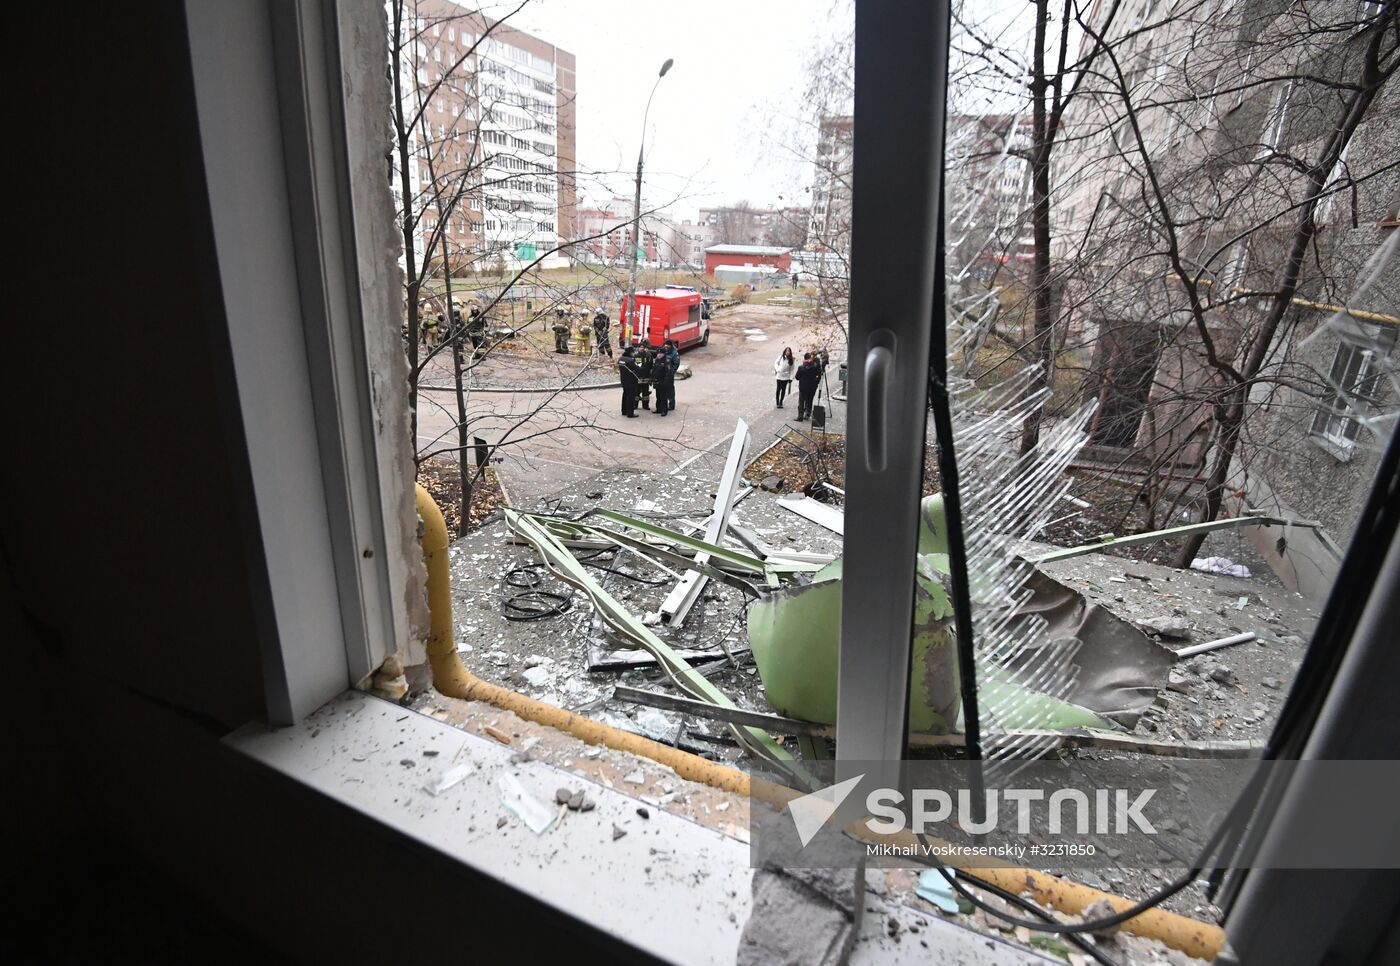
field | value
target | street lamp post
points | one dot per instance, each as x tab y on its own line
631	304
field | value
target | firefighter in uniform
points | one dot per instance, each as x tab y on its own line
561	332
476	331
583	335
602	337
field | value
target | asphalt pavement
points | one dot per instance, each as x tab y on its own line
554	440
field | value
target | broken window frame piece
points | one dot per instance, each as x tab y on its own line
540	532
683	596
1152	536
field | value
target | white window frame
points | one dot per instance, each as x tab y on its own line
1334	424
1246	72
326	514
1329	187
1272	133
1235	269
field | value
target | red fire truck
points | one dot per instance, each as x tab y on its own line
675	312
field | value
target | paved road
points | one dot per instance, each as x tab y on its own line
575	435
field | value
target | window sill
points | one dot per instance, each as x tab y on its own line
1338	451
671	887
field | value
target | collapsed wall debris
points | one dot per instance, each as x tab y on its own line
794	622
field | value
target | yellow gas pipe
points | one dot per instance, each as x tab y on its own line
1198	939
454	680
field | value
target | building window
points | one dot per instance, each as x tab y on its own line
1278	118
1338	180
1233	275
1246	75
1354	382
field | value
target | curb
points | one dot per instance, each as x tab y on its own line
604	385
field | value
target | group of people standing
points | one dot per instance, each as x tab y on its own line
808	376
435	330
598	328
643	368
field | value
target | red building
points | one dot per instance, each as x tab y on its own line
747	256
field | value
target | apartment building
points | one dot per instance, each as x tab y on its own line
1247	149
743	224
829	216
493	154
604	234
987	191
692	238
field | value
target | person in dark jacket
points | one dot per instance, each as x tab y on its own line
808	376
664	381
627	372
673	356
645	356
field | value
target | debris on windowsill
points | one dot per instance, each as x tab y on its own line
448	779
934	888
537	816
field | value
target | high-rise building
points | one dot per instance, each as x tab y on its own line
830	217
494	143
986	190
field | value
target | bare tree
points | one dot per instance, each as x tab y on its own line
737	225
1220	173
476	188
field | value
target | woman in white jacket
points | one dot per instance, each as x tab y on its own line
783	369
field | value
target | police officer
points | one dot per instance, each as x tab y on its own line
645	357
673	356
561	333
664	380
627	372
601	335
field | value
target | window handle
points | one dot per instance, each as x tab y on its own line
879	368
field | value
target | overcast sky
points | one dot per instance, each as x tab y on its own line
728	122
723	122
